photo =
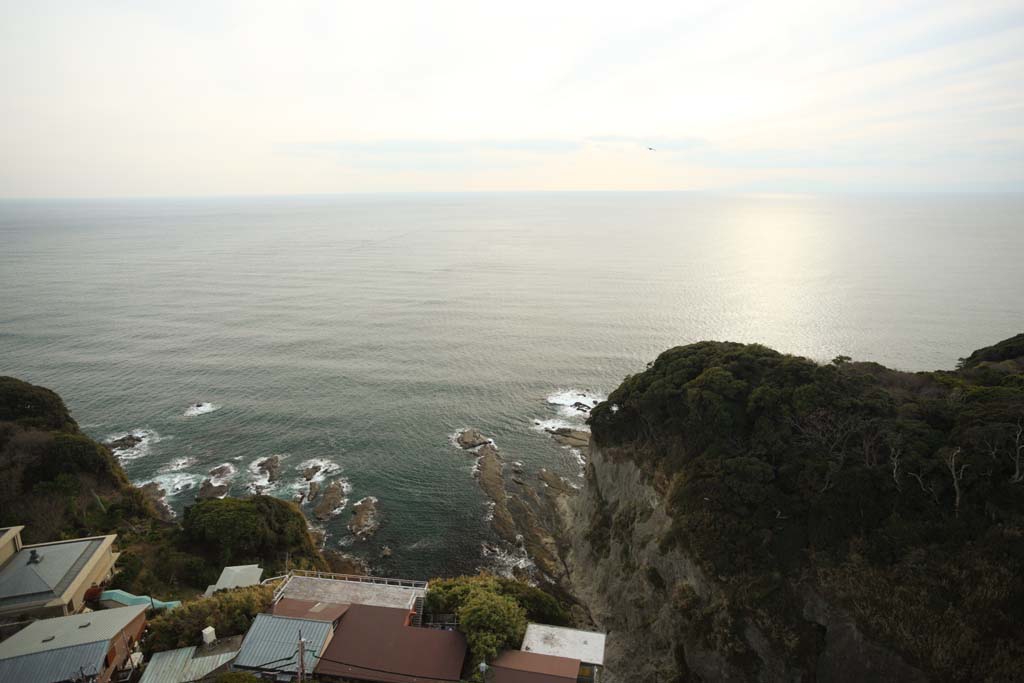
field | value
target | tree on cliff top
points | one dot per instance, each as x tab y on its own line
782	470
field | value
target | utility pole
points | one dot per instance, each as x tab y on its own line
302	658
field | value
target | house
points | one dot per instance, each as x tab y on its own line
188	664
516	666
50	579
270	648
380	644
91	647
570	643
236	577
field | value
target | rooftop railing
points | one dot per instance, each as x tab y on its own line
354	578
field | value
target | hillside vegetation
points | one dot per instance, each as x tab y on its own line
59	483
898	495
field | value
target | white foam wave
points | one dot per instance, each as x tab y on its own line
141	449
505	560
259	481
224	478
570	397
559	423
178	464
174	483
197	409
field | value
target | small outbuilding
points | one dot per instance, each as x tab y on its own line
236	577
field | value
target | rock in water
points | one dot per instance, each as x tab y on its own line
221	471
124	442
271	466
314	491
332	499
471	438
576	438
366	518
210	490
310	472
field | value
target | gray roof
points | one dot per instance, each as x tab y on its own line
236	577
272	643
344	592
25	582
184	664
77	629
55	666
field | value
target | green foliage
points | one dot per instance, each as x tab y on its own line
493	611
229	612
779	466
261	528
33	407
74	454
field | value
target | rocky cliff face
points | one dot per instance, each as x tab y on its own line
668	621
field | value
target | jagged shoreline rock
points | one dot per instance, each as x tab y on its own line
471	438
207	490
124	443
271	466
365	518
332	499
155	493
574	438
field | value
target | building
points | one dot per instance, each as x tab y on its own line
516	666
236	577
570	643
191	663
306	609
380	644
50	579
345	589
92	647
270	648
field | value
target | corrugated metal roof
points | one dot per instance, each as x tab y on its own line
179	666
516	666
55	665
77	629
272	643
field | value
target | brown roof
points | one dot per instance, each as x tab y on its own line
516	666
375	644
308	609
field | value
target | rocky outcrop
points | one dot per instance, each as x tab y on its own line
271	467
210	490
343	563
667	620
471	438
124	443
154	493
574	438
222	471
332	500
311	472
365	518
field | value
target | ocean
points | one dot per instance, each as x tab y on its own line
361	332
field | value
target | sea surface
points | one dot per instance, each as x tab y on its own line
360	332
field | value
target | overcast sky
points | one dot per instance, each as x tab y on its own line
123	98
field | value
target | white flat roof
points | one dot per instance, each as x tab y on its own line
351	592
236	577
586	646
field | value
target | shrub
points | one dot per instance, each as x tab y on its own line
231	613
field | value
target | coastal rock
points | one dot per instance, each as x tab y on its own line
366	518
124	443
343	563
582	407
314	491
222	471
385	551
471	438
210	490
332	499
575	438
493	484
154	493
311	472
271	466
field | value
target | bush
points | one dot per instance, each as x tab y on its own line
231	613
